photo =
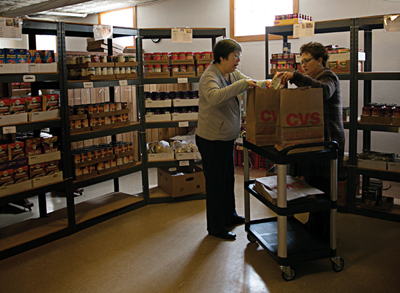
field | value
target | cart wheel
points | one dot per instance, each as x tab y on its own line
287	277
251	238
338	268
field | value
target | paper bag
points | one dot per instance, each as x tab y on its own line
301	118
261	116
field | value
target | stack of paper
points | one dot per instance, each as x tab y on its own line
295	188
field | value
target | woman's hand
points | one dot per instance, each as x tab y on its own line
252	83
285	76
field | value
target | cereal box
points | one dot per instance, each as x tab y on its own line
52	167
33	146
36	56
37	170
17	105
11	56
2	56
5	106
49	56
50	144
6	177
33	104
21	56
50	102
16	150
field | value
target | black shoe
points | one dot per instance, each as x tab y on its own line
237	221
225	235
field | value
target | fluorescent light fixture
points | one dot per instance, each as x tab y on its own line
58	13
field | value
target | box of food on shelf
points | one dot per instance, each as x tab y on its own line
184	74
46	180
157	117
42	158
345	56
185	102
393	166
15	188
157	74
157	104
44	115
161	156
187	156
372	164
13	119
396	121
184	116
290	21
181	181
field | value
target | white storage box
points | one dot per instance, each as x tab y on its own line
44	115
184	116
42	158
46	180
13	119
372	164
161	156
187	156
15	188
393	166
185	102
158	117
157	104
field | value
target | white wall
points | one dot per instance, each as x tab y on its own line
209	13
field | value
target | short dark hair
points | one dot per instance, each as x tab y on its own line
223	48
316	50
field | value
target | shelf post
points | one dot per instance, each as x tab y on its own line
246	179
282	203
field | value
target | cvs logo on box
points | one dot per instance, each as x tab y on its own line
293	119
268	116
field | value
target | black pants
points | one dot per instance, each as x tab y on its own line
219	172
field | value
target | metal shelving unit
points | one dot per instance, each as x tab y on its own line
354	25
164	33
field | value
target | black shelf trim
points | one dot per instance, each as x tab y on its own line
169	80
95	134
108	176
169	124
281	157
35	125
102	83
32	192
165	33
174	163
379	76
8	78
380	174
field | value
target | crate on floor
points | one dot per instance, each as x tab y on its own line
253	159
262	163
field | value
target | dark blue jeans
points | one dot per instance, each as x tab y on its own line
219	172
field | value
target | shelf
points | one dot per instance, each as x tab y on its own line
378	127
170	124
108	176
298	206
302	244
172	163
378	76
35	125
341	76
95	134
169	80
78	84
270	153
165	33
45	77
380	174
32	192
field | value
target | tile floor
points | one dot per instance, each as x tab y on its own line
164	248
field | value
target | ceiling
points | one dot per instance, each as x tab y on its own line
55	9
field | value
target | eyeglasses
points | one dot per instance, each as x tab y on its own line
237	57
305	61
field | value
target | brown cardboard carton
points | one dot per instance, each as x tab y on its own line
181	181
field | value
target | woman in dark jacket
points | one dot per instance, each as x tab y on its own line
313	60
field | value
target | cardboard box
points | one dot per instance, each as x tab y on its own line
161	156
184	116
13	119
345	56
42	158
15	188
46	180
396	121
185	102
372	164
393	166
181	181
187	156
290	21
157	117
157	104
44	115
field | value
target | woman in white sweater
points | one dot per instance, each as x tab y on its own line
217	129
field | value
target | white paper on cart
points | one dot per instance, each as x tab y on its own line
295	188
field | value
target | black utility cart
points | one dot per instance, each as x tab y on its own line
285	238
